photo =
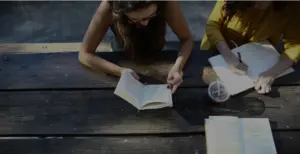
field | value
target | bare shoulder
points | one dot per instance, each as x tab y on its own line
176	20
172	5
173	9
104	7
103	14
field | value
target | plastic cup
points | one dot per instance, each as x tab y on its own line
217	92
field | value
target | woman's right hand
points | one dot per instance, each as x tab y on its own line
134	74
236	66
233	61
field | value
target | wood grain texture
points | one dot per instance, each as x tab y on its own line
286	143
101	112
63	70
107	145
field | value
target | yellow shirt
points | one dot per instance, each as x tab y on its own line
268	24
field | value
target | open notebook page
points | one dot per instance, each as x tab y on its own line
234	83
258	56
130	89
257	134
156	96
223	135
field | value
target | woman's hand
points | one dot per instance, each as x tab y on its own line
234	63
236	66
264	82
266	79
135	75
174	79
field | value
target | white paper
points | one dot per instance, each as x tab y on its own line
223	136
258	56
231	135
156	96
130	89
257	134
143	96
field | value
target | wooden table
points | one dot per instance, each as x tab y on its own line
51	104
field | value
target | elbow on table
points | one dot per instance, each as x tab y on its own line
83	57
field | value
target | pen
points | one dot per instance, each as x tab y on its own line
240	58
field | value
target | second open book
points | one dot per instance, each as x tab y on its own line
143	96
259	56
233	135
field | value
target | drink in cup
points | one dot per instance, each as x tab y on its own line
217	92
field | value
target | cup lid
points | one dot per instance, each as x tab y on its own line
218	92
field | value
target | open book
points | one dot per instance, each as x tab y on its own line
259	56
233	135
143	96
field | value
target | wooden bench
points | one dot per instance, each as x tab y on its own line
50	103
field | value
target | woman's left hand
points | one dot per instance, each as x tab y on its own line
174	79
264	82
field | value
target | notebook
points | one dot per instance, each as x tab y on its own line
142	96
259	56
233	135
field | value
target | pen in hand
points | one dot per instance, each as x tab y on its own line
240	58
245	67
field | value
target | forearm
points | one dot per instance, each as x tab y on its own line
283	64
184	54
224	49
99	64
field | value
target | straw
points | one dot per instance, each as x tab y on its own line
218	87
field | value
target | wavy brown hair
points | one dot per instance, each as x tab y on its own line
142	42
232	8
238	8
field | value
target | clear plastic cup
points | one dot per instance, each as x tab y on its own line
217	92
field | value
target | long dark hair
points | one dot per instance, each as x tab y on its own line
139	42
232	8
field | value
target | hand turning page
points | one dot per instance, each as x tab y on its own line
143	96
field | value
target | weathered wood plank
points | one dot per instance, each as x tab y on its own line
63	70
286	142
107	145
101	112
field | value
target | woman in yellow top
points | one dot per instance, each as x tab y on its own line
246	21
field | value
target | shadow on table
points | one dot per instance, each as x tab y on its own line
194	106
192	110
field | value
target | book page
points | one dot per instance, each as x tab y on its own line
130	89
234	83
156	96
223	135
257	134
